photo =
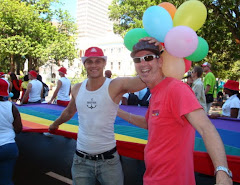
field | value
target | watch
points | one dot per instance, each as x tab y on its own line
226	170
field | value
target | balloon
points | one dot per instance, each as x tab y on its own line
173	66
201	51
181	41
10	95
157	22
133	36
192	14
188	64
169	7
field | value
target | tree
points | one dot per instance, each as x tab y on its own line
26	32
221	29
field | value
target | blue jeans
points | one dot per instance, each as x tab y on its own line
8	157
106	171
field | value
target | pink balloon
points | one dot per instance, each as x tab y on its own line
181	41
188	64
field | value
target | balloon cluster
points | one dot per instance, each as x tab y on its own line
176	29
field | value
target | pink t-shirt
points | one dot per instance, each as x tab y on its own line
169	151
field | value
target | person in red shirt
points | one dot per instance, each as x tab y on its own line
16	84
172	117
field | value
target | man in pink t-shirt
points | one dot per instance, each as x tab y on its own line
172	117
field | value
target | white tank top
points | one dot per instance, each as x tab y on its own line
7	133
63	93
35	93
96	116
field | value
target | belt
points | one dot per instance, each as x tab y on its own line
104	155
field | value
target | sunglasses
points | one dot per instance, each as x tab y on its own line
146	58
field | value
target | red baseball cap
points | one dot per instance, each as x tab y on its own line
206	64
63	70
4	86
33	73
93	52
232	85
2	74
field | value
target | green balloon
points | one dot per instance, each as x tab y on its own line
201	51
133	36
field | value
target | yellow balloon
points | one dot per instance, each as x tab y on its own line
191	13
173	66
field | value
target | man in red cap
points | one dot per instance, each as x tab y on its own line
97	100
63	89
34	89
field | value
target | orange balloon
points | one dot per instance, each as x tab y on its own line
169	7
173	66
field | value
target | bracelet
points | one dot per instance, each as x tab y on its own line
129	118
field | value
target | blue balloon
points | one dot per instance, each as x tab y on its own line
10	95
157	22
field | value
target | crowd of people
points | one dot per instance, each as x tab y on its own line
204	92
175	111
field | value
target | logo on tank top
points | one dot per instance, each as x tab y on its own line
155	112
91	104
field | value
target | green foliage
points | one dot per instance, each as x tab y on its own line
26	30
221	30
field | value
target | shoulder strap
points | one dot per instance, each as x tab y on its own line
145	97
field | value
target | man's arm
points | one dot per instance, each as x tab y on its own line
70	90
234	112
198	91
122	85
26	94
212	141
42	91
59	85
17	123
137	120
69	112
207	89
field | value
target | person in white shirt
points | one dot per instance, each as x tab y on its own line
231	108
10	124
63	90
34	89
198	87
96	100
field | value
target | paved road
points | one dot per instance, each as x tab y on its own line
47	161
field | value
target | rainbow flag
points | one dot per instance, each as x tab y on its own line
131	140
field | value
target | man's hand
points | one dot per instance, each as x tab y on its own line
151	40
223	179
53	127
214	116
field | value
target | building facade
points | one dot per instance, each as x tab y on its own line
95	29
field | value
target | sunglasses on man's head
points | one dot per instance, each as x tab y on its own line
146	58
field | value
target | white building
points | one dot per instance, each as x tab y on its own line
95	29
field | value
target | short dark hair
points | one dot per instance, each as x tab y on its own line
26	78
198	70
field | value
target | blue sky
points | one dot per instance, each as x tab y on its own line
69	5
